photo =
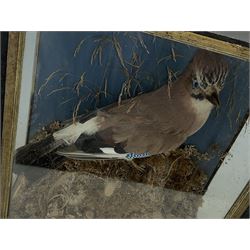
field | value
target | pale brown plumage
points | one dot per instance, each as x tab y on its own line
150	124
159	121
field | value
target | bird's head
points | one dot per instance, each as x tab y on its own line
208	73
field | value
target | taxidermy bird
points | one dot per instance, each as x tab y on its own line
148	124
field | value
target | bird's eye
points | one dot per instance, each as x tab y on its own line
195	84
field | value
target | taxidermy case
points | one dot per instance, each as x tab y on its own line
78	73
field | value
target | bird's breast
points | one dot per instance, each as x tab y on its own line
201	110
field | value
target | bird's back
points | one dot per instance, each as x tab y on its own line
155	122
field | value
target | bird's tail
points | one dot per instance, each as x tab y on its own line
104	154
32	152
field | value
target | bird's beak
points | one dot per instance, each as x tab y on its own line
214	99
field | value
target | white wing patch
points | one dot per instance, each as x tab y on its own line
71	133
108	150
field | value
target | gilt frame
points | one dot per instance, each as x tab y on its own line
240	205
205	42
12	97
12	92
